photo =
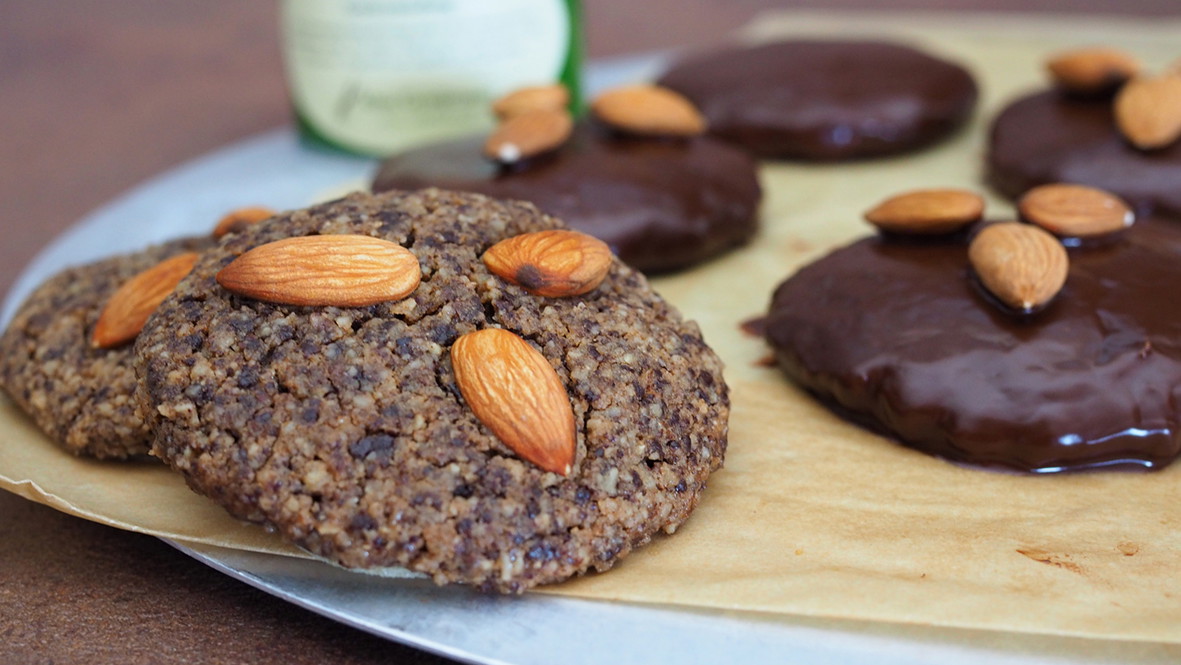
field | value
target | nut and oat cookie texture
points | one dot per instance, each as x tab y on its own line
82	397
344	431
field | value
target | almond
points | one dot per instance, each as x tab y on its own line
552	97
1075	211
927	211
1022	265
553	264
327	270
516	393
1148	111
125	313
1092	70
649	110
236	220
529	134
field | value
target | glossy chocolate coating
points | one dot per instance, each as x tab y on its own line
1050	137
895	334
661	204
826	100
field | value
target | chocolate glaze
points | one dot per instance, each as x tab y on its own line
826	100
894	334
660	204
755	326
1049	137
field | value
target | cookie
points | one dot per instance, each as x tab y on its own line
344	430
1051	137
661	204
81	396
826	99
893	333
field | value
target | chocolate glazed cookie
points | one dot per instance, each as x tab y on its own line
83	397
1051	137
826	100
345	431
661	204
893	333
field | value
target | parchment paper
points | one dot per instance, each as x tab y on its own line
811	515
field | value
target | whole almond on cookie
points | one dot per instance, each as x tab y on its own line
927	211
529	134
1148	111
125	313
552	97
649	110
1075	211
516	393
1020	264
1092	70
238	219
554	263
324	270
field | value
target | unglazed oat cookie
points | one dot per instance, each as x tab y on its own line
344	429
81	396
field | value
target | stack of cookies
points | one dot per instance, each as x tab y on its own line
431	380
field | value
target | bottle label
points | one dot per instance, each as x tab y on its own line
378	76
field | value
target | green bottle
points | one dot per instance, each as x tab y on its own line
378	76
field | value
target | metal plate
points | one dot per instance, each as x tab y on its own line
541	630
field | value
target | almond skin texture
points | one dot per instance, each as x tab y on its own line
1148	111
130	306
1075	211
236	220
553	264
648	110
535	98
1092	70
325	270
927	211
1020	264
529	134
515	392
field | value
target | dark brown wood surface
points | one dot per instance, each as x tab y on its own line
95	97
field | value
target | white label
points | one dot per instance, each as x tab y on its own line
378	76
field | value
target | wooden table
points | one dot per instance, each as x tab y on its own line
97	97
